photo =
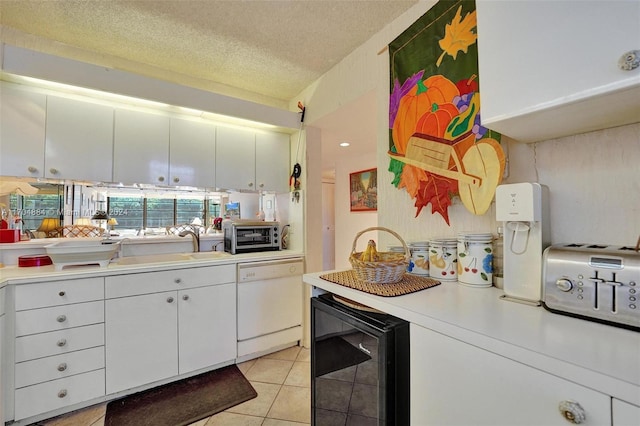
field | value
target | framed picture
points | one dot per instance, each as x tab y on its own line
364	190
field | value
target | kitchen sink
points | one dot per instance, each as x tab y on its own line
171	257
209	255
153	258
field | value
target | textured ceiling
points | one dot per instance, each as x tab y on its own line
273	48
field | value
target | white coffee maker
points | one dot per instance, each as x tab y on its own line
524	210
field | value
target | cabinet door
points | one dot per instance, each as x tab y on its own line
235	158
22	127
207	326
543	76
141	341
272	161
454	383
79	140
192	153
141	148
625	414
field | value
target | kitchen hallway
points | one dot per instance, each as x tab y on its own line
282	380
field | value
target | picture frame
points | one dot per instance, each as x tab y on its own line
363	190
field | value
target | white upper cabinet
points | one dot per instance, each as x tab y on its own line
141	148
79	140
235	159
272	161
255	161
192	153
22	127
550	68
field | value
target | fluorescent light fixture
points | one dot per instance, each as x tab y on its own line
343	144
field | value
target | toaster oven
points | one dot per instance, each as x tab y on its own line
250	236
592	281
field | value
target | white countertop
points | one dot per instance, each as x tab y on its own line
601	357
18	275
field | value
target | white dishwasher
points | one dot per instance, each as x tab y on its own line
270	305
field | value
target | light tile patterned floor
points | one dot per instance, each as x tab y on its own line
282	380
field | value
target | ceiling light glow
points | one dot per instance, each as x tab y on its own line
344	144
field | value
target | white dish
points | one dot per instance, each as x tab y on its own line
80	253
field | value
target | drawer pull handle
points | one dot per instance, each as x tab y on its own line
572	411
62	393
185	297
62	342
61	318
169	299
177	280
62	293
62	366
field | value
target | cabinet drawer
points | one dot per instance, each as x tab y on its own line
58	342
59	318
59	393
177	279
54	293
59	366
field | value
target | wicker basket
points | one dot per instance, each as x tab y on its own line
388	270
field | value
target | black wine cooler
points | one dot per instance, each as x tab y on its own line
359	365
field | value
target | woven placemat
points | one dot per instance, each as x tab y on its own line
408	284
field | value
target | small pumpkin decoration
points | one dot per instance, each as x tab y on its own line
419	100
435	122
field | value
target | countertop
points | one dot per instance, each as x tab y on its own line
601	357
18	275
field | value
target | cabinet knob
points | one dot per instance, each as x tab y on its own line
160	178
61	318
629	60
61	293
62	393
261	185
32	169
62	366
53	171
250	184
185	297
62	342
572	411
177	280
176	179
169	299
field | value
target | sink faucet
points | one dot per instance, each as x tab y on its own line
196	239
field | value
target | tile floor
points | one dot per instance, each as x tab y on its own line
282	380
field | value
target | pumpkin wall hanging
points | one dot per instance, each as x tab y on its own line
438	148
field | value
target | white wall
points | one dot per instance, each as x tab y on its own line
349	223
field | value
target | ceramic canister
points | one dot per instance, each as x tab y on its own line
475	259
419	263
443	259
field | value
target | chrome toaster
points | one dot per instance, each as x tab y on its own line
595	282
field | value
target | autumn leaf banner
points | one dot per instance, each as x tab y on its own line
438	148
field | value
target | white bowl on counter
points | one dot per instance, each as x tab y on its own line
75	253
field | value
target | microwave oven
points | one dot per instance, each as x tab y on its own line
250	236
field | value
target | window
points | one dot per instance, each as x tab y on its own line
33	208
155	212
128	211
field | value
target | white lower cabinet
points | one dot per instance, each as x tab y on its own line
58	350
141	340
155	336
206	326
625	414
51	395
455	383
